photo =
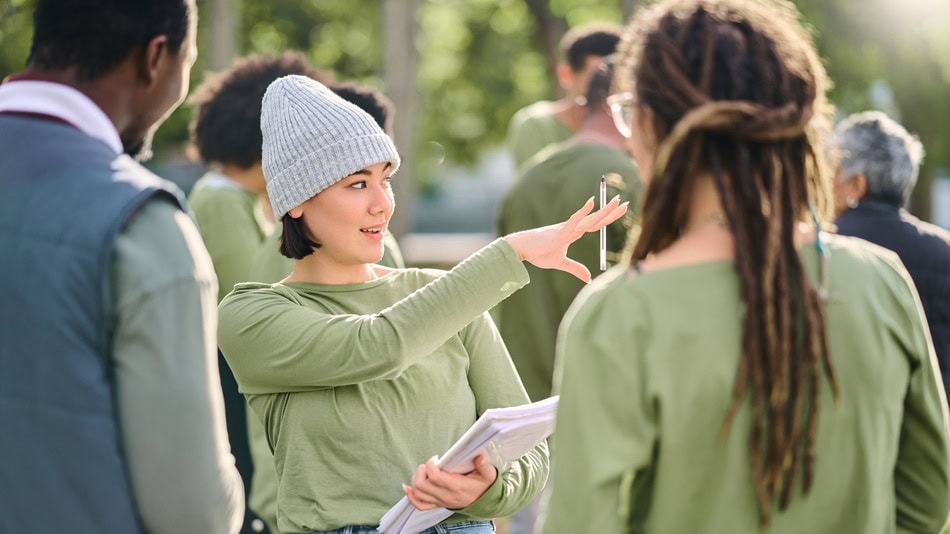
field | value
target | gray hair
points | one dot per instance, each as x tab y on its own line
889	157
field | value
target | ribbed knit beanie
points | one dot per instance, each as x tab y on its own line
313	139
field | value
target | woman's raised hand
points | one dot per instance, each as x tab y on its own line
546	247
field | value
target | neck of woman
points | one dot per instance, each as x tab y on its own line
705	207
317	268
706	235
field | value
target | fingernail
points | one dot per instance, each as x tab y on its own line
615	198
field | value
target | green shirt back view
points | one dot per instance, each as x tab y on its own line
646	368
531	129
556	181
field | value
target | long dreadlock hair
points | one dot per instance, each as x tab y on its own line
737	91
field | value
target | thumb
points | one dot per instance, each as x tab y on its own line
485	468
575	268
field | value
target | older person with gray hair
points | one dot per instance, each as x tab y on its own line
879	161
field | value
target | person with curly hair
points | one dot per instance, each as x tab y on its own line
233	215
230	201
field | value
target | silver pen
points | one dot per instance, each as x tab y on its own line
603	231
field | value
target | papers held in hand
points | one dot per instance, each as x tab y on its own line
504	434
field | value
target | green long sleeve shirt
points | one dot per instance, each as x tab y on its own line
271	266
647	364
358	384
548	192
167	389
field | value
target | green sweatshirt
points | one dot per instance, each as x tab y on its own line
532	128
271	266
232	225
358	384
647	364
548	192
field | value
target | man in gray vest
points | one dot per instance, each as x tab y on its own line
110	402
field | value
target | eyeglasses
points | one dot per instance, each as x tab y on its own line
621	109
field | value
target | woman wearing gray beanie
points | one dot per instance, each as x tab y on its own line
360	372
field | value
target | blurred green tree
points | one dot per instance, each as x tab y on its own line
893	56
481	60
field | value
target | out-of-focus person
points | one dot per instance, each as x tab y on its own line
549	190
878	165
545	123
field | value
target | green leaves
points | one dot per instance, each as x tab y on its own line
481	60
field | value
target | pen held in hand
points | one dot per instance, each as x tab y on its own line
603	231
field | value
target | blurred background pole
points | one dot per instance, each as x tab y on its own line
400	62
222	27
549	28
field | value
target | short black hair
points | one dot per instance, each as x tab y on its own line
96	35
369	100
294	242
227	123
581	42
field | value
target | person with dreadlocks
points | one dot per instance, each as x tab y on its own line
744	370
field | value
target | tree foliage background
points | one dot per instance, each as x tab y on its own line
481	60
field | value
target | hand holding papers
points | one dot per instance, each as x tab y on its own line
504	434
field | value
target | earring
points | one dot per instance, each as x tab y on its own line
852	202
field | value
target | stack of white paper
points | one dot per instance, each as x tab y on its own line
505	434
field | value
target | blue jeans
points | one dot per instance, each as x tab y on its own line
462	527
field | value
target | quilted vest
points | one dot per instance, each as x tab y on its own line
64	197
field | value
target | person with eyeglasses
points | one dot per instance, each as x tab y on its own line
744	370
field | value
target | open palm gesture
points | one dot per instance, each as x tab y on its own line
546	247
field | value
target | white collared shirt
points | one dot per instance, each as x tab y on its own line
63	102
